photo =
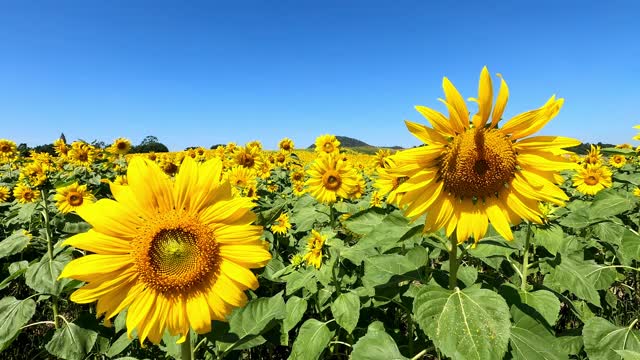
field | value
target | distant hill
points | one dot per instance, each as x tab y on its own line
584	148
359	145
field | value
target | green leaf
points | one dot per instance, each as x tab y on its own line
294	310
14	314
119	345
311	341
43	275
630	247
365	221
581	277
602	339
472	323
76	227
71	342
16	269
376	345
544	302
531	341
617	151
346	310
301	279
628	354
576	219
247	323
609	203
609	232
384	236
549	237
378	270
495	246
14	244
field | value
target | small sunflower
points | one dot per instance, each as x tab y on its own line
473	173
327	144
636	191
176	253
25	194
60	147
4	193
120	146
82	154
360	188
241	178
72	197
637	137
248	157
331	178
286	144
314	249
281	225
376	199
35	173
387	183
592	179
381	157
8	150
617	161
299	189
594	156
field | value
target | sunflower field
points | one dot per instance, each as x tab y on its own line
486	242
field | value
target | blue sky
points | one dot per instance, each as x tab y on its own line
201	73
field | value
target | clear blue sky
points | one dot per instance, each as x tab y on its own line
201	73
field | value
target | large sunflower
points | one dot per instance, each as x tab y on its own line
331	178
176	253
471	172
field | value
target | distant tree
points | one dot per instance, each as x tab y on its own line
149	139
215	146
23	149
99	144
63	137
149	144
46	148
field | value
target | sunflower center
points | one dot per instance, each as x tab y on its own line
591	180
83	156
75	199
175	252
286	146
122	145
246	160
328	147
331	180
478	163
28	195
5	148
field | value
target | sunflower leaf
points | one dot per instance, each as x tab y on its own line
311	341
14	244
530	340
71	342
43	275
346	310
602	339
473	323
376	344
13	315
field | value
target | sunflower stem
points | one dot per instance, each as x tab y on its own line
47	232
186	350
453	262
525	259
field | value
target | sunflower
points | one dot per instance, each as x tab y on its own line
387	183
25	194
120	146
281	225
60	147
473	173
82	154
8	150
381	157
4	193
282	158
248	157
327	144
70	198
241	178
314	249
593	157
637	137
299	189
376	199
360	188
617	161
636	191
177	253
297	175
330	178
624	146
35	173
592	179
286	144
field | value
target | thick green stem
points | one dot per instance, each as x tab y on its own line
453	262
47	227
186	351
525	259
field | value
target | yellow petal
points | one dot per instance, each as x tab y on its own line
229	291
501	102
437	120
111	218
89	267
198	313
239	274
498	219
485	99
456	101
139	310
249	256
185	186
99	243
151	185
425	134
